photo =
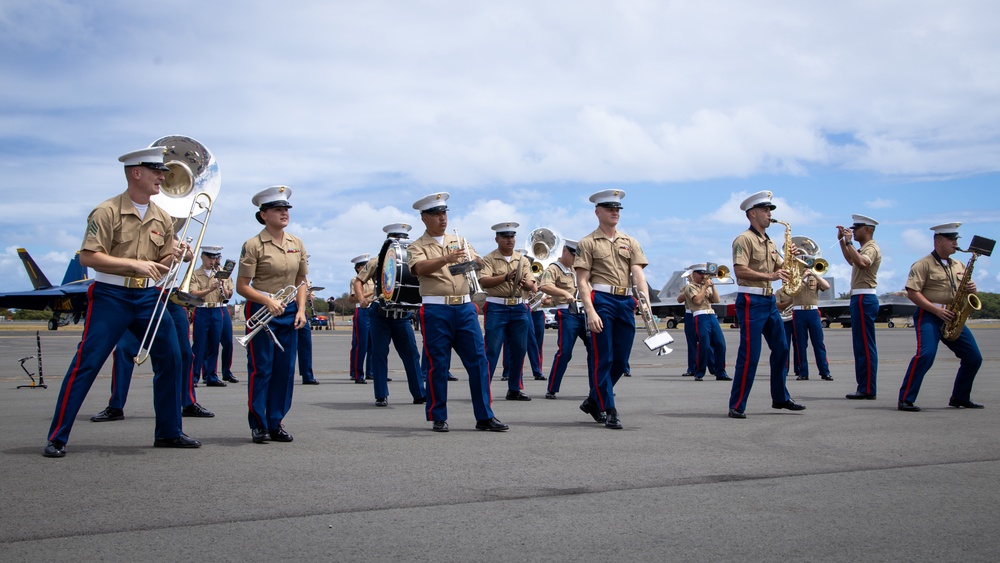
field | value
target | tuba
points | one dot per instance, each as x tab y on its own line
812	256
544	247
966	302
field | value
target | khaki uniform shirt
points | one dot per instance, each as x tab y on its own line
938	283
272	264
494	264
563	278
201	280
367	278
809	294
114	228
690	290
867	278
609	261
439	282
758	253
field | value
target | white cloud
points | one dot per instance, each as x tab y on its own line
916	240
880	203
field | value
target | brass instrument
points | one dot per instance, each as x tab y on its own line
720	272
544	247
259	320
656	340
468	269
966	302
798	266
812	255
793	285
188	191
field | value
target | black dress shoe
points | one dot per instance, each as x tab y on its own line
452	377
723	378
539	378
789	404
733	413
687	374
259	436
550	395
388	379
440	426
699	379
361	381
491	424
197	410
826	377
310	382
627	374
55	449
861	396
108	414
215	383
280	435
612	420
182	441
504	378
517	396
965	404
907	406
802	378
419	400
230	379
368	377
588	406
383	402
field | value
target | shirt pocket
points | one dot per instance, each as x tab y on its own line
601	252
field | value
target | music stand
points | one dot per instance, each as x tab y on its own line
41	378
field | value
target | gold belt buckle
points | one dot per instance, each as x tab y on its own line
136	283
453	300
512	301
768	291
619	291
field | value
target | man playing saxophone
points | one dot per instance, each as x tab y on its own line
935	282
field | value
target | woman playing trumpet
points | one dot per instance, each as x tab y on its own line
269	262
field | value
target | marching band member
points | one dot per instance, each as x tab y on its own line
209	317
271	261
361	346
689	338
932	286
448	318
807	325
559	281
505	316
710	344
756	264
130	244
604	261
865	262
304	346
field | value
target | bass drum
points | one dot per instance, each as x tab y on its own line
394	284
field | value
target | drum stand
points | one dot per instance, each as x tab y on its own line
41	378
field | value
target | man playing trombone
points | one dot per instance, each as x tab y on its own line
130	245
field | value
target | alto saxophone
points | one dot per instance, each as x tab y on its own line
792	266
963	305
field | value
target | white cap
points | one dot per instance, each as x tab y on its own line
397	229
433	202
608	198
507	227
150	157
759	199
700	267
571	244
947	229
361	258
863	220
211	250
274	196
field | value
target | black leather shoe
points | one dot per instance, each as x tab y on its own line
440	426
699	379
368	377
108	414
907	406
550	395
517	396
197	410
802	378
383	402
687	374
612	420
789	404
627	374
491	424
826	377
215	383
452	377
539	378
419	400
280	435
259	436
182	441
504	378
733	413
965	404
310	382
230	379
55	449
590	408
723	378
361	381
861	396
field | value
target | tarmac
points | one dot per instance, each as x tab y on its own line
840	481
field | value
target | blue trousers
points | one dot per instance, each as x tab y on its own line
400	332
808	326
536	339
928	328
447	327
571	327
271	370
710	347
692	342
507	326
227	344
758	316
112	311
123	362
208	323
790	342
361	348
304	351
611	347
864	309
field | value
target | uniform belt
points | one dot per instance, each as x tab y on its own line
804	307
703	312
612	289
211	305
505	300
765	291
687	311
865	291
123	281
444	299
563	307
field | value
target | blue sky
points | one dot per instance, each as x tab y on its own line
520	110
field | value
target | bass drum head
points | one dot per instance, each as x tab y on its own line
393	282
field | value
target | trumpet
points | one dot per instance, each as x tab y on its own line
259	320
468	268
656	340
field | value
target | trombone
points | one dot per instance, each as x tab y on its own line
259	320
656	340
